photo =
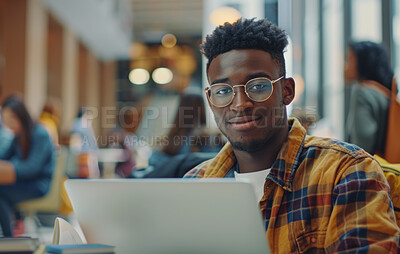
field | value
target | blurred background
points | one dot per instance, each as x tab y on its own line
130	64
128	60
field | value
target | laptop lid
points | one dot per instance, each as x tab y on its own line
169	215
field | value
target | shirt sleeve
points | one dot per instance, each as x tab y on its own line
197	172
40	155
362	218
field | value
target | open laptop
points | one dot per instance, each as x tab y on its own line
169	215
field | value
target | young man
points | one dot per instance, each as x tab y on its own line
316	194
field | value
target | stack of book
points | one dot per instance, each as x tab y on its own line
66	240
80	248
19	245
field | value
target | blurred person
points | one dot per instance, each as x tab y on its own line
6	136
50	118
84	144
119	140
187	142
82	133
188	133
315	194
368	65
26	168
130	119
189	126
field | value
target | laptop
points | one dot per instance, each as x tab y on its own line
169	215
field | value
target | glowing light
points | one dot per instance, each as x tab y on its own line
139	76
137	50
299	88
162	75
168	40
224	14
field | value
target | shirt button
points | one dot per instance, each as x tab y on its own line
313	239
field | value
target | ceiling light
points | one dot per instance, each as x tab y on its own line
168	40
224	14
162	75
139	76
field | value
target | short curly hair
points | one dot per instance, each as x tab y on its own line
246	34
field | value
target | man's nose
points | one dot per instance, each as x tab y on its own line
240	100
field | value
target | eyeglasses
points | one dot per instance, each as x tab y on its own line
257	89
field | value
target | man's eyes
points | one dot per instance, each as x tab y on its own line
257	87
223	91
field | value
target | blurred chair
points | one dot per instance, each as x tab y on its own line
392	174
49	203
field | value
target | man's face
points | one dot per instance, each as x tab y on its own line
249	125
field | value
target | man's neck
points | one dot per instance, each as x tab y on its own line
264	158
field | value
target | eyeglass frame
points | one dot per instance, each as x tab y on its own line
207	90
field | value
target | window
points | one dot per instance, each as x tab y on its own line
366	20
333	64
396	39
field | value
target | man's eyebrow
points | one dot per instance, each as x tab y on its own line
222	80
258	75
250	76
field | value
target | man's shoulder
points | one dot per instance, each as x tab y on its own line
219	166
333	146
330	161
199	170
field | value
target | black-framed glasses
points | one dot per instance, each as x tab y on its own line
257	89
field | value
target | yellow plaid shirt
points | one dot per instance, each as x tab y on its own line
322	195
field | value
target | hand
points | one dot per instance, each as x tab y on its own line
7	173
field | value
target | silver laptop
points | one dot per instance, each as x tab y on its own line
169	215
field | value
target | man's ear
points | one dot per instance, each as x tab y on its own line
288	91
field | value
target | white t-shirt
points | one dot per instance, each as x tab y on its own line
257	180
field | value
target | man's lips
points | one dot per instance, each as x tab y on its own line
244	122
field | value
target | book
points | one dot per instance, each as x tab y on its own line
65	233
66	239
80	248
18	244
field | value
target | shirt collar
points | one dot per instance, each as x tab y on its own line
282	170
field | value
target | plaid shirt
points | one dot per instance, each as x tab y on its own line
322	195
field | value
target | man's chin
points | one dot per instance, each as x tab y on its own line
252	146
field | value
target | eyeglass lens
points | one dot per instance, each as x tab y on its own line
258	89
